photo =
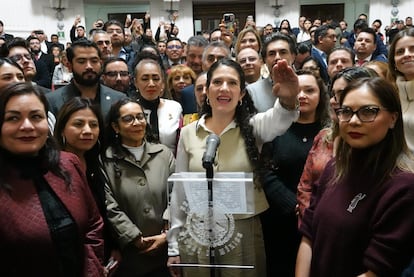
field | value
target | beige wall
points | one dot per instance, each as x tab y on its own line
22	16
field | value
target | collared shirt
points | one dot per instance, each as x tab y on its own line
323	55
361	62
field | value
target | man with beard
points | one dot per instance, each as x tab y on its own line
116	31
34	71
85	62
116	76
40	56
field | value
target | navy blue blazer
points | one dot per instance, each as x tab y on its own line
323	70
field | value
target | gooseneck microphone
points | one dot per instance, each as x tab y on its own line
212	142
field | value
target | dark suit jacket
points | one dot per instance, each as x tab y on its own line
381	48
50	63
323	68
50	44
42	77
188	100
107	97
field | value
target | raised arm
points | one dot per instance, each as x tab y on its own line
275	121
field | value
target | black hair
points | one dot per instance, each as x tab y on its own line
113	22
372	32
11	62
321	31
244	111
114	140
112	60
83	43
360	24
49	154
73	105
15	42
279	36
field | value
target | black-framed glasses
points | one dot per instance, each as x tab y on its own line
18	57
114	74
364	114
170	47
129	118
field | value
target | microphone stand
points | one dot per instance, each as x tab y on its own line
209	176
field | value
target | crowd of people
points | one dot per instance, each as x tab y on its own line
92	130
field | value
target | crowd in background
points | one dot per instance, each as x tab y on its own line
321	114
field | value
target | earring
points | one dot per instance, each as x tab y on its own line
63	140
208	101
240	102
116	135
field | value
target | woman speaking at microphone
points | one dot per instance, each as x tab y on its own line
229	113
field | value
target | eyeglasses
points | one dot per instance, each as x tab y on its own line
130	119
19	57
364	114
174	47
114	74
247	59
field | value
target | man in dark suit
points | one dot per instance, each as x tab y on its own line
3	34
86	65
40	56
34	71
54	40
364	48
324	42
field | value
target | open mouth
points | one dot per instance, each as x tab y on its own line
223	99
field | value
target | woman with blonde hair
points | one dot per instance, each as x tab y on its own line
180	76
248	38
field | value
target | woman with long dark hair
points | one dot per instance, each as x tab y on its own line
49	222
229	113
359	221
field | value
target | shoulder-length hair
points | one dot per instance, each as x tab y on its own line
66	111
409	32
49	154
241	35
322	110
380	159
179	69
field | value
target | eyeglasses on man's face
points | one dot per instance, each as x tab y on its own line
19	57
130	119
174	47
364	114
114	74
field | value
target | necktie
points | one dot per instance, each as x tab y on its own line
360	62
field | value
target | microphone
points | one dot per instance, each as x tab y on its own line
212	142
